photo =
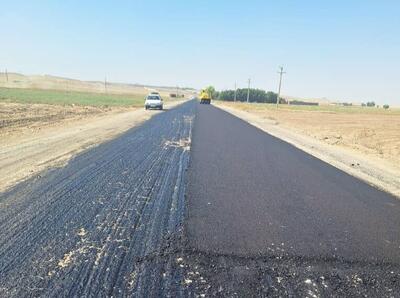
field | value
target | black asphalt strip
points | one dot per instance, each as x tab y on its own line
273	220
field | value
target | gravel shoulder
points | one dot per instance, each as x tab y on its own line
379	172
32	142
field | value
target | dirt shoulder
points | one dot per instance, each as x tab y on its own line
365	146
36	137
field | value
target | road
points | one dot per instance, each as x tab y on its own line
105	225
278	221
237	213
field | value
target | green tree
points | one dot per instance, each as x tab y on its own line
255	95
271	97
212	92
386	107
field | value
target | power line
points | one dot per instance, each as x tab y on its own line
281	72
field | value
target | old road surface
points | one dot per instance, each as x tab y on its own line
198	203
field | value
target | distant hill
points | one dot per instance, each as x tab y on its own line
16	80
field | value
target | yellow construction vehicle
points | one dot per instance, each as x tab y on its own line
205	97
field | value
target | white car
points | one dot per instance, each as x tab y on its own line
153	101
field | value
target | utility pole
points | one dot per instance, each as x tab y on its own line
248	90
177	92
105	85
234	98
281	72
6	75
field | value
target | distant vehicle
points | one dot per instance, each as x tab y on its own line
205	97
153	101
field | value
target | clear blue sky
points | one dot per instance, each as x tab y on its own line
347	50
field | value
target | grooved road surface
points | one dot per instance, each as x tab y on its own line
106	224
252	216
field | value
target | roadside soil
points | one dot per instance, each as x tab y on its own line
35	137
366	146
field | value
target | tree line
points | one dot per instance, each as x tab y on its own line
372	104
262	96
255	95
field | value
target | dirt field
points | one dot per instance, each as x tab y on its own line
26	118
362	141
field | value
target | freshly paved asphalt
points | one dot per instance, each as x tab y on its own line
265	219
252	194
